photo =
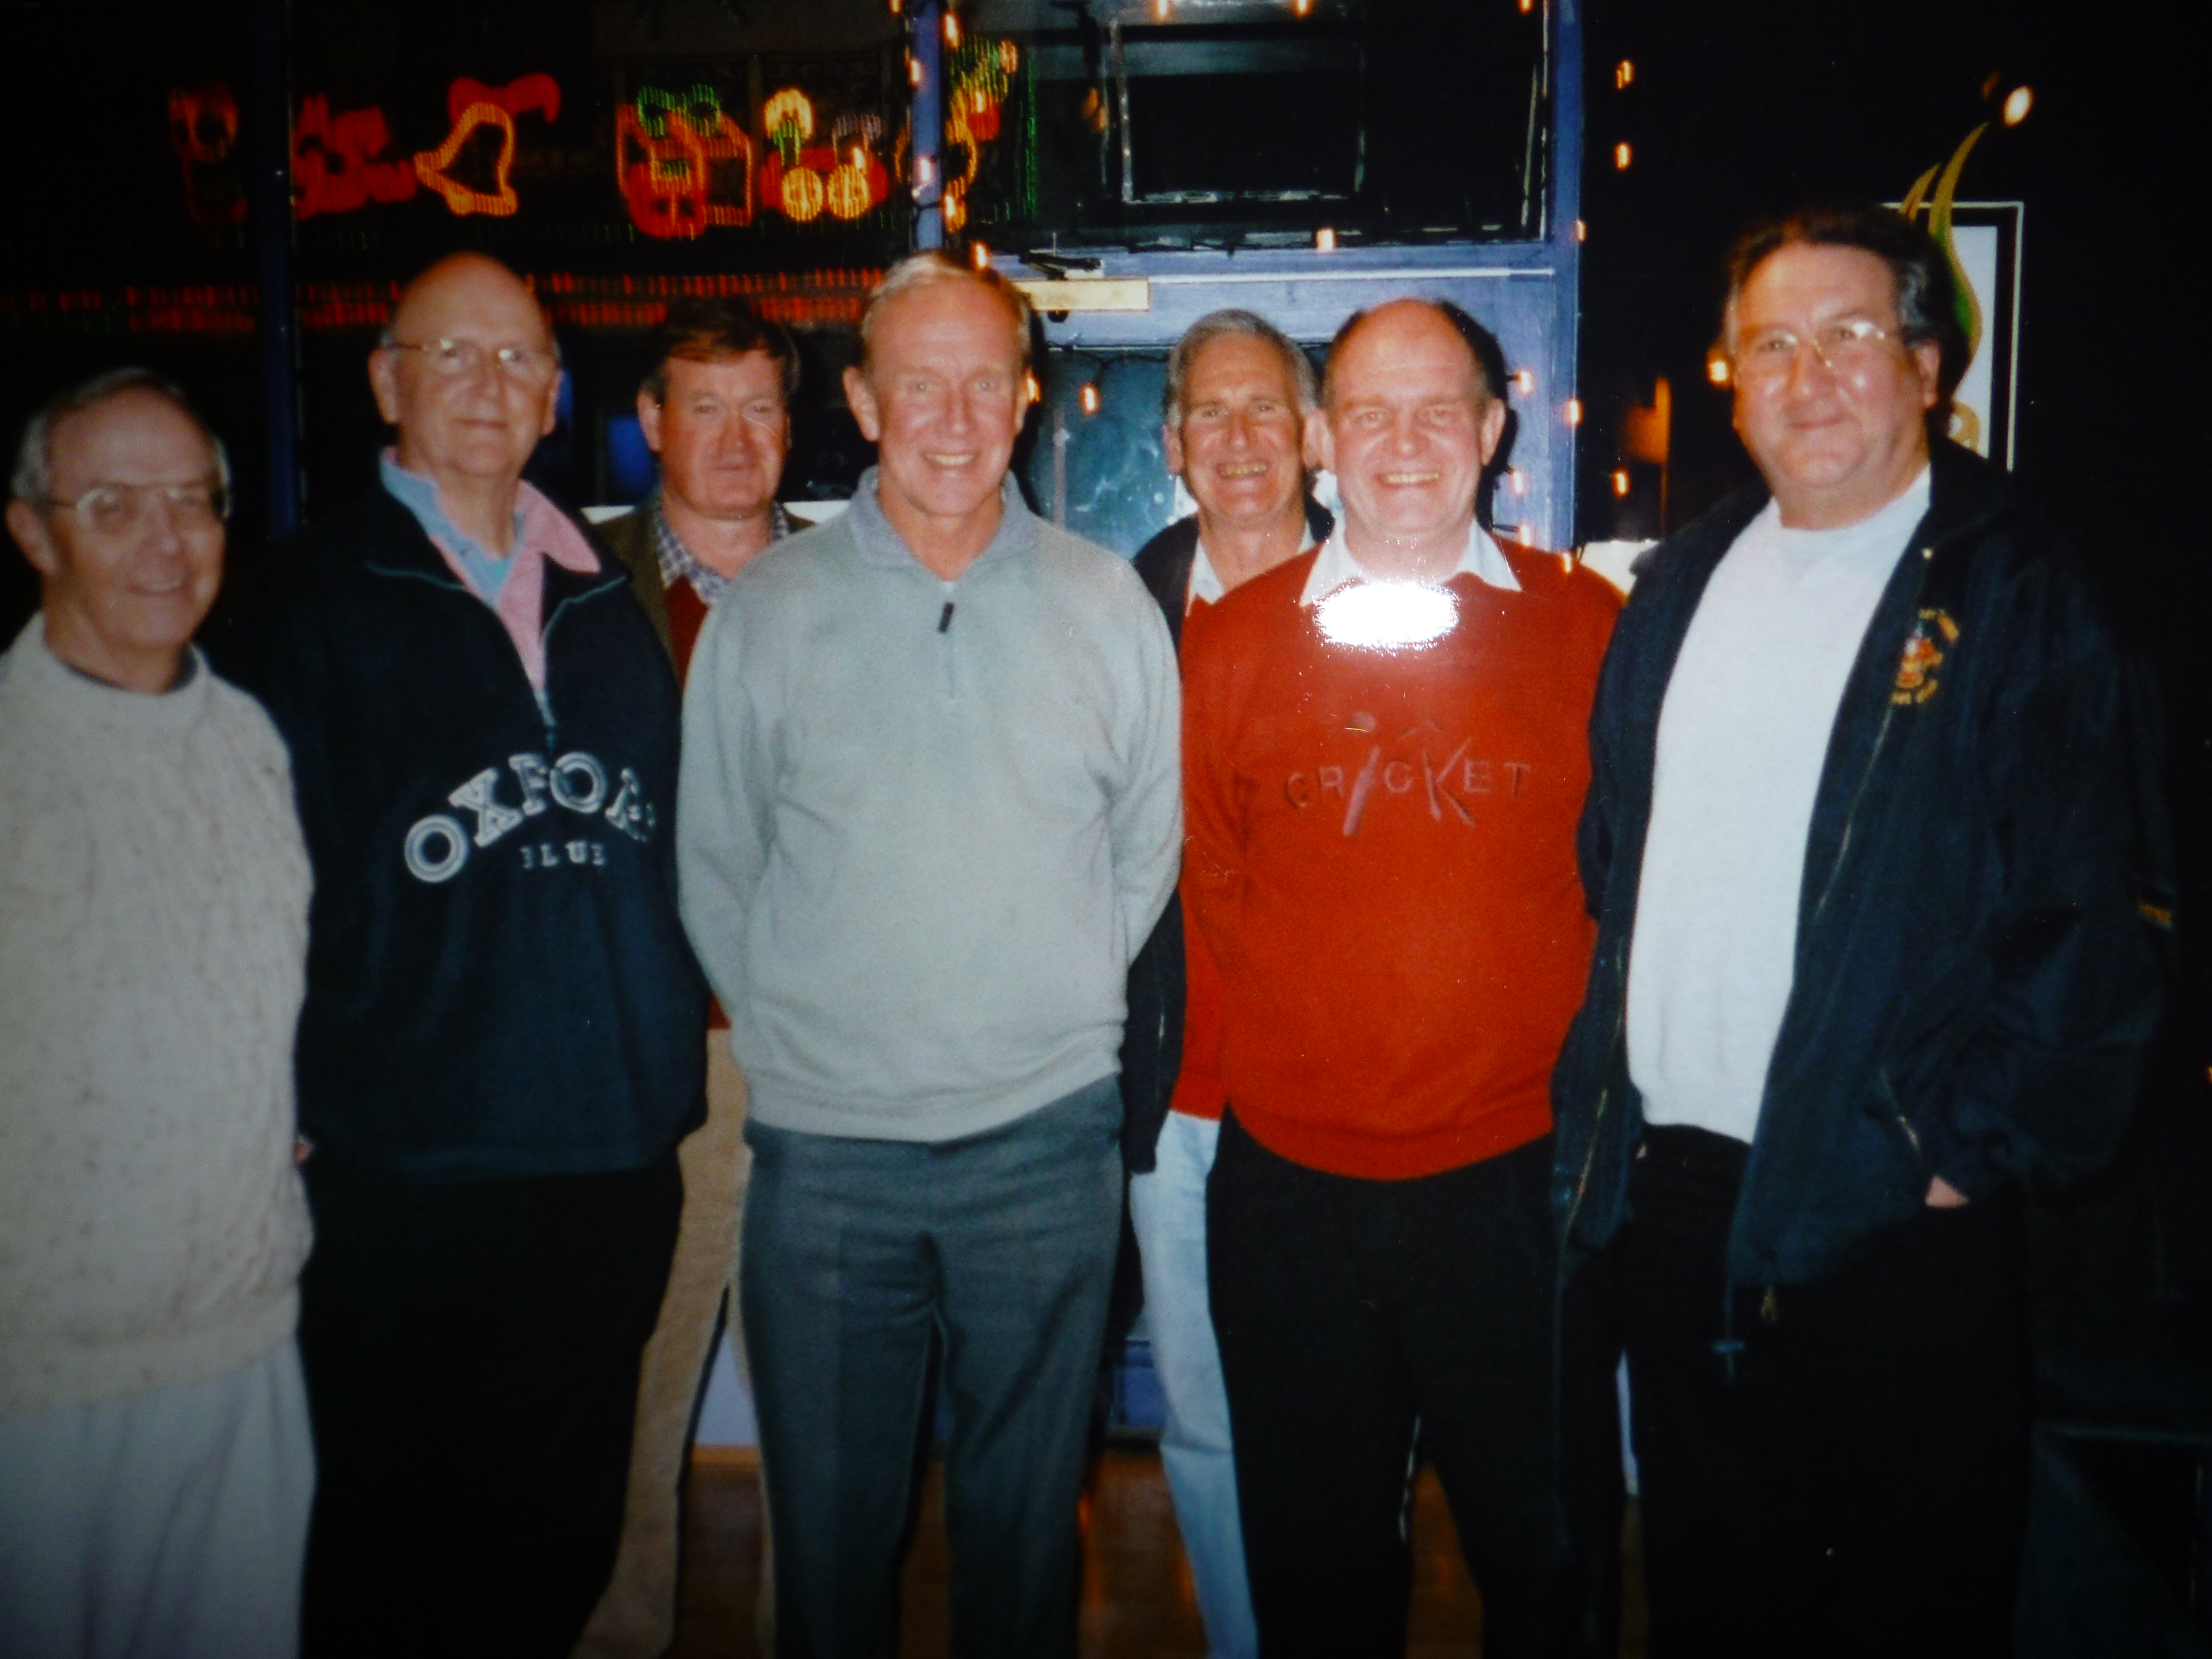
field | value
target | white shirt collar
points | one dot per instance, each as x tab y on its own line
1335	566
1206	587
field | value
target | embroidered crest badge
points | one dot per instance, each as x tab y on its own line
1933	634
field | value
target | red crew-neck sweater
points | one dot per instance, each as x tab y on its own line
1382	859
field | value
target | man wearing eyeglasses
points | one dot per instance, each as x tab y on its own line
155	1463
1872	883
500	1049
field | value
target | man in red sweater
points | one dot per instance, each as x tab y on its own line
1384	762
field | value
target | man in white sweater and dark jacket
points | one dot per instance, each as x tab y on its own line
930	808
1877	897
155	1464
500	1049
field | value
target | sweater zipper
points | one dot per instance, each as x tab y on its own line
945	626
544	693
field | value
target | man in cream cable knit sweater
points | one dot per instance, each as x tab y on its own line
156	1467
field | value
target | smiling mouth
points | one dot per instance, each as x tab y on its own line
951	463
1243	469
1401	480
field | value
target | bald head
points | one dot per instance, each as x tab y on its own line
1409	421
1479	345
467	373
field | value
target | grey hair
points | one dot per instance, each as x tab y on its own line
32	478
932	266
1222	324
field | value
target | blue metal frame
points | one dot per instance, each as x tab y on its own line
1526	293
926	41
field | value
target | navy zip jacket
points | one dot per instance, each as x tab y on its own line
1975	978
497	981
1152	1037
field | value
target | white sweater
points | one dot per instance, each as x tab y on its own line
1743	738
153	940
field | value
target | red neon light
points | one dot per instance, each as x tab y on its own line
811	299
338	162
541	93
335	165
202	129
472	104
430	165
677	181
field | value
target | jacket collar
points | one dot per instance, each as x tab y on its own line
1965	493
881	545
398	546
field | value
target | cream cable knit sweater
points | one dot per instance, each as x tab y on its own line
153	936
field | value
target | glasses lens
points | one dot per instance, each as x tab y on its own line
196	507
522	362
108	508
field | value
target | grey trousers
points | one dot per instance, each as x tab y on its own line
858	1254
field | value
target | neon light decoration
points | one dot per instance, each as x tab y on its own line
802	179
203	130
335	168
676	154
470	103
809	298
981	72
338	162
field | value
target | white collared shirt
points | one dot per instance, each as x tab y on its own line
1205	587
1335	566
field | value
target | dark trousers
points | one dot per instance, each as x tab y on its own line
1852	1479
1357	1318
471	1354
857	1256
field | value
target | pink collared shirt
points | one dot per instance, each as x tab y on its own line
542	531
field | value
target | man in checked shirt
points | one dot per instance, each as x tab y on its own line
716	409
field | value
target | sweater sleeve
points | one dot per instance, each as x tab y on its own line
1145	818
1212	881
722	805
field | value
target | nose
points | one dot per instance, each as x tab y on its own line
1240	429
960	409
1810	360
160	526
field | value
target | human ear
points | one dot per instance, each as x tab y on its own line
861	397
1320	442
384	381
1492	429
29	529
